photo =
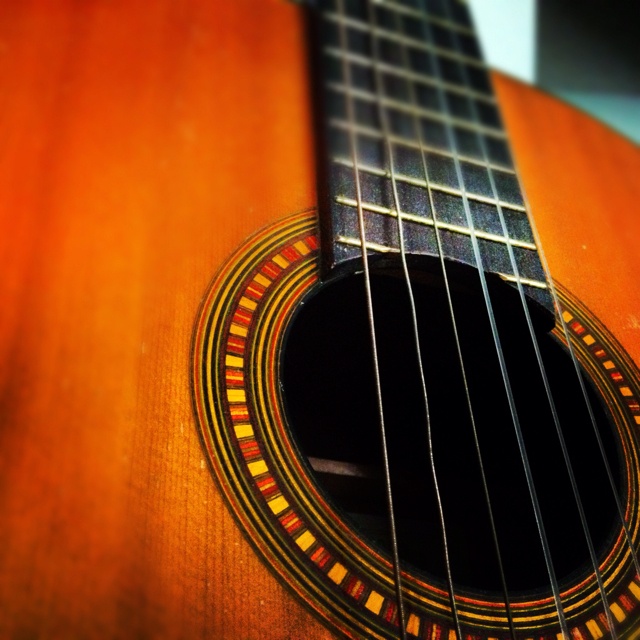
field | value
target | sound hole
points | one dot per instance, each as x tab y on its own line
330	397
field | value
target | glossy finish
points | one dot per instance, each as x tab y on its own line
141	145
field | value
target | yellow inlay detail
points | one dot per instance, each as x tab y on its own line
452	634
234	361
257	468
637	419
278	505
560	636
260	279
236	395
625	391
243	430
566	316
248	304
617	611
633	587
594	629
237	330
413	624
609	365
281	261
305	540
302	247
337	573
589	339
374	602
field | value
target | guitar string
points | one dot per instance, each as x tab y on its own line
423	153
501	359
414	319
541	365
372	331
418	135
583	388
592	419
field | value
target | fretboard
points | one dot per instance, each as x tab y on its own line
413	129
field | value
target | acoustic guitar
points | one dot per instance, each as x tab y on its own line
286	353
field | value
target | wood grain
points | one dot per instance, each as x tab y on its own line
141	143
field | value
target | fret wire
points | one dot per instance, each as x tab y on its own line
382	248
397	574
407	40
417	13
437	187
407	74
408	142
429	222
417	110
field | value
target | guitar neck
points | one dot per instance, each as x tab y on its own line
412	129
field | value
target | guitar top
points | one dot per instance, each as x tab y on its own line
142	146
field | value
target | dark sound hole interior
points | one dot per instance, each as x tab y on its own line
329	391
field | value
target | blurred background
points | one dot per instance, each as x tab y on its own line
587	53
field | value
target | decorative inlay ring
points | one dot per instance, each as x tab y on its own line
269	487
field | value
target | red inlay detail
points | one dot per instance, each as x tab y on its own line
390	613
577	327
255	290
435	632
266	483
269	489
291	254
627	603
311	242
576	634
242	316
234	377
249	449
271	270
600	353
291	522
616	376
633	405
321	557
239	413
354	587
602	618
236	344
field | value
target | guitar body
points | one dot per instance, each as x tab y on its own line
141	146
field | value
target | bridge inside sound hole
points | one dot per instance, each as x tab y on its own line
330	399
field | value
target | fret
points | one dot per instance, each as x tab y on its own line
494	132
416	41
407	90
407	161
398	138
440	20
418	219
420	73
538	284
418	182
420	240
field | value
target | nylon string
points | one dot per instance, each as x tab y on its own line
543	372
369	301
503	368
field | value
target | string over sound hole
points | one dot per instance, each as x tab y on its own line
330	398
